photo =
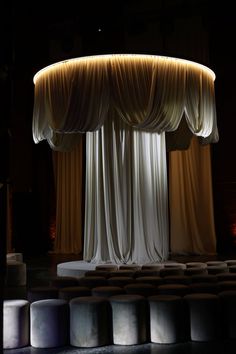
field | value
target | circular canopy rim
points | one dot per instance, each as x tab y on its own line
46	69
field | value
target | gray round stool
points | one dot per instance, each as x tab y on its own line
129	319
133	267
196	265
173	289
107	291
63	281
175	265
120	281
227	285
226	276
210	288
195	270
204	278
232	268
122	273
230	262
15	273
42	293
166	271
204	312
70	292
154	280
146	273
15	256
95	273
90	322
168	319
15	324
49	323
228	313
216	264
143	289
217	269
92	281
153	266
177	279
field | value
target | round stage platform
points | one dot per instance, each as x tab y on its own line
79	268
75	268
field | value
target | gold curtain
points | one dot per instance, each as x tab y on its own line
69	213
192	229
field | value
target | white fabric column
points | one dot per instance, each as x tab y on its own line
126	202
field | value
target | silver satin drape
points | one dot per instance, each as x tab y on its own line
126	206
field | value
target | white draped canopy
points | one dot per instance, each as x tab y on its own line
125	104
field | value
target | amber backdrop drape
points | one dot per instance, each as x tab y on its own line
68	169
192	229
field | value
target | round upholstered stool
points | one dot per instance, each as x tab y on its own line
95	273
49	323
90	322
168	319
15	257
217	269
146	273
107	291
226	276
167	271
216	264
196	265
173	289
92	282
122	273
133	267
120	281
174	265
230	262
232	268
129	319
70	292
15	273
227	285
195	271
154	280
143	289
15	323
204	312
63	281
107	267
204	278
42	293
152	266
177	279
204	287
228	306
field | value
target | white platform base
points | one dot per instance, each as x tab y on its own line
78	268
75	268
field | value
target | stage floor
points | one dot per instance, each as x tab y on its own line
78	268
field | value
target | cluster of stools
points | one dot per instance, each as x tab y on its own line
127	305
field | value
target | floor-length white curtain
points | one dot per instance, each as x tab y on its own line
126	206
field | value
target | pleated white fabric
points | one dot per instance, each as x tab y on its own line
126	207
146	91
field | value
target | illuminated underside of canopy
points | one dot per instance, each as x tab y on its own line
150	93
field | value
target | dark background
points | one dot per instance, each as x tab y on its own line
37	34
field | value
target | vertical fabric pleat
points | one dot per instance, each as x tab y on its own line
126	211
